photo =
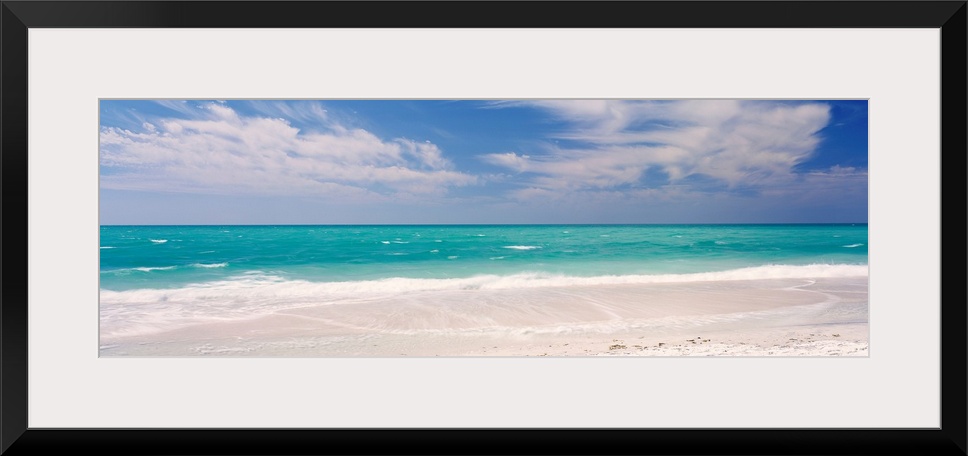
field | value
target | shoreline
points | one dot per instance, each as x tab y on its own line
764	317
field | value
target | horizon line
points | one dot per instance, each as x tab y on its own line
480	224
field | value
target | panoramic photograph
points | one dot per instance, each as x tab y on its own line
483	228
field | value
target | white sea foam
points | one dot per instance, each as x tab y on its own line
384	242
254	285
522	247
452	257
497	258
147	269
853	246
210	265
434	251
158	241
107	247
253	294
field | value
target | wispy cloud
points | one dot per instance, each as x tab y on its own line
309	112
645	144
214	149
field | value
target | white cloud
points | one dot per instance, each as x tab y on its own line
510	160
217	150
736	143
305	111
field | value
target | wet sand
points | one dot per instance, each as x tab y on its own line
773	317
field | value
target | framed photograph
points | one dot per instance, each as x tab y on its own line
483	228
656	227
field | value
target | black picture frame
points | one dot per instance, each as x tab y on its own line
18	16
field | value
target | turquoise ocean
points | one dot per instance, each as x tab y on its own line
233	271
166	257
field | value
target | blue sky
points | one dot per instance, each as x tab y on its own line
482	161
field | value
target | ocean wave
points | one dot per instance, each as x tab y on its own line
255	293
148	269
163	268
522	247
139	269
158	241
254	285
853	246
108	247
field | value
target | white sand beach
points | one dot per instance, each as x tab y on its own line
767	317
